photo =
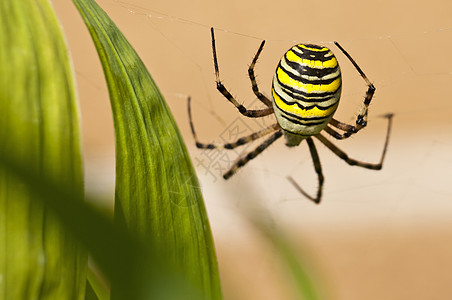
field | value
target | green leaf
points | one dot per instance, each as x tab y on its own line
96	290
157	192
124	260
302	279
39	123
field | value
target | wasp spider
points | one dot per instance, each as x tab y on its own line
306	90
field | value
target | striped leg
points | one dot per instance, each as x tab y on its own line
256	91
243	160
345	127
354	162
220	87
239	142
349	129
318	170
361	120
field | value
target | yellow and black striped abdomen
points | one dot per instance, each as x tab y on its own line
306	89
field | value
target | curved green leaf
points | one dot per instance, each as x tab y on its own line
96	290
302	278
157	192
39	123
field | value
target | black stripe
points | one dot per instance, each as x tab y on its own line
302	118
305	70
316	103
301	123
310	99
304	80
312	55
301	105
299	46
289	88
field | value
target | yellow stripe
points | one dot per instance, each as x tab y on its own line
304	113
313	49
308	88
318	64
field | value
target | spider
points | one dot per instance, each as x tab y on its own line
306	90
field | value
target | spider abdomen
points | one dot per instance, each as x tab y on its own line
306	89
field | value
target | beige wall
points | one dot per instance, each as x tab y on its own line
377	235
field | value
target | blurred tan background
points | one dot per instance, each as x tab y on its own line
377	234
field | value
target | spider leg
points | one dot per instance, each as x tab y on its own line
361	120
243	160
239	142
354	162
256	91
318	170
251	113
349	129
